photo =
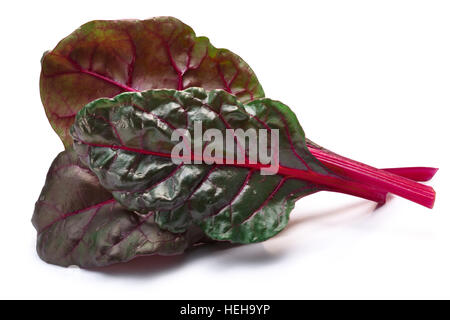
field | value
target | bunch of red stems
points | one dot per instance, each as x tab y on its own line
371	183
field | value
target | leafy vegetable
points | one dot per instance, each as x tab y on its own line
105	58
80	223
126	141
119	194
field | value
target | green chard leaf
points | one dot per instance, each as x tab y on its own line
105	58
80	223
126	142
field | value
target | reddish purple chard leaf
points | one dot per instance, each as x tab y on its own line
105	58
79	222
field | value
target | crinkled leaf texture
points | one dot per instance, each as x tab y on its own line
126	141
105	58
79	222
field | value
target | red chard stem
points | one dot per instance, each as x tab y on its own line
383	180
422	174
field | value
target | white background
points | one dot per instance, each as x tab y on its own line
367	79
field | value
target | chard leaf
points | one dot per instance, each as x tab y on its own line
126	141
80	223
105	58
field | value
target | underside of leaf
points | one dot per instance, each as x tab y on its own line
105	58
80	223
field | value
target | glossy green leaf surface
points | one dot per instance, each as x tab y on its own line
126	141
80	223
105	58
